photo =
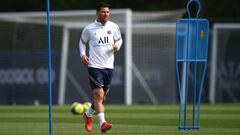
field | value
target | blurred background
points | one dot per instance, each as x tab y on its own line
149	31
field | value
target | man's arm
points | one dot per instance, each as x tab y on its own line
117	40
82	47
117	45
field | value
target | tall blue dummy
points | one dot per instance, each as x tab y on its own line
191	66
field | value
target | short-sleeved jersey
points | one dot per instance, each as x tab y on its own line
100	40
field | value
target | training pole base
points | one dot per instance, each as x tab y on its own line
188	128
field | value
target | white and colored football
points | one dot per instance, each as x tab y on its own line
77	108
86	105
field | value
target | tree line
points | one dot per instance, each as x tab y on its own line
215	10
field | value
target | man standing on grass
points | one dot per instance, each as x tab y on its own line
103	38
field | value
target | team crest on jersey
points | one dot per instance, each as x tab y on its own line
109	32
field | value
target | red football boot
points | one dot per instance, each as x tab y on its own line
88	122
106	126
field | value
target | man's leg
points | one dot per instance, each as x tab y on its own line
99	97
88	118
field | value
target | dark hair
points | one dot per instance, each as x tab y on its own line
102	5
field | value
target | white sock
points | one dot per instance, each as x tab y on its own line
90	112
101	118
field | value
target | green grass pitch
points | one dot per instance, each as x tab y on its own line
221	119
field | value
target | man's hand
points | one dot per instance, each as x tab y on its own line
85	60
115	48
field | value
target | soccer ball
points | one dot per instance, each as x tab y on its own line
77	108
86	105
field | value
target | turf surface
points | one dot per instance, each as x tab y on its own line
127	120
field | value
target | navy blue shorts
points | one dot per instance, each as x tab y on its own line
100	78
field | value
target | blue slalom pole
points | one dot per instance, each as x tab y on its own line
49	67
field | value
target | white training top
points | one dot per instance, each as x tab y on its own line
100	40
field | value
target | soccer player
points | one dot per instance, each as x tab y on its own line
103	38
